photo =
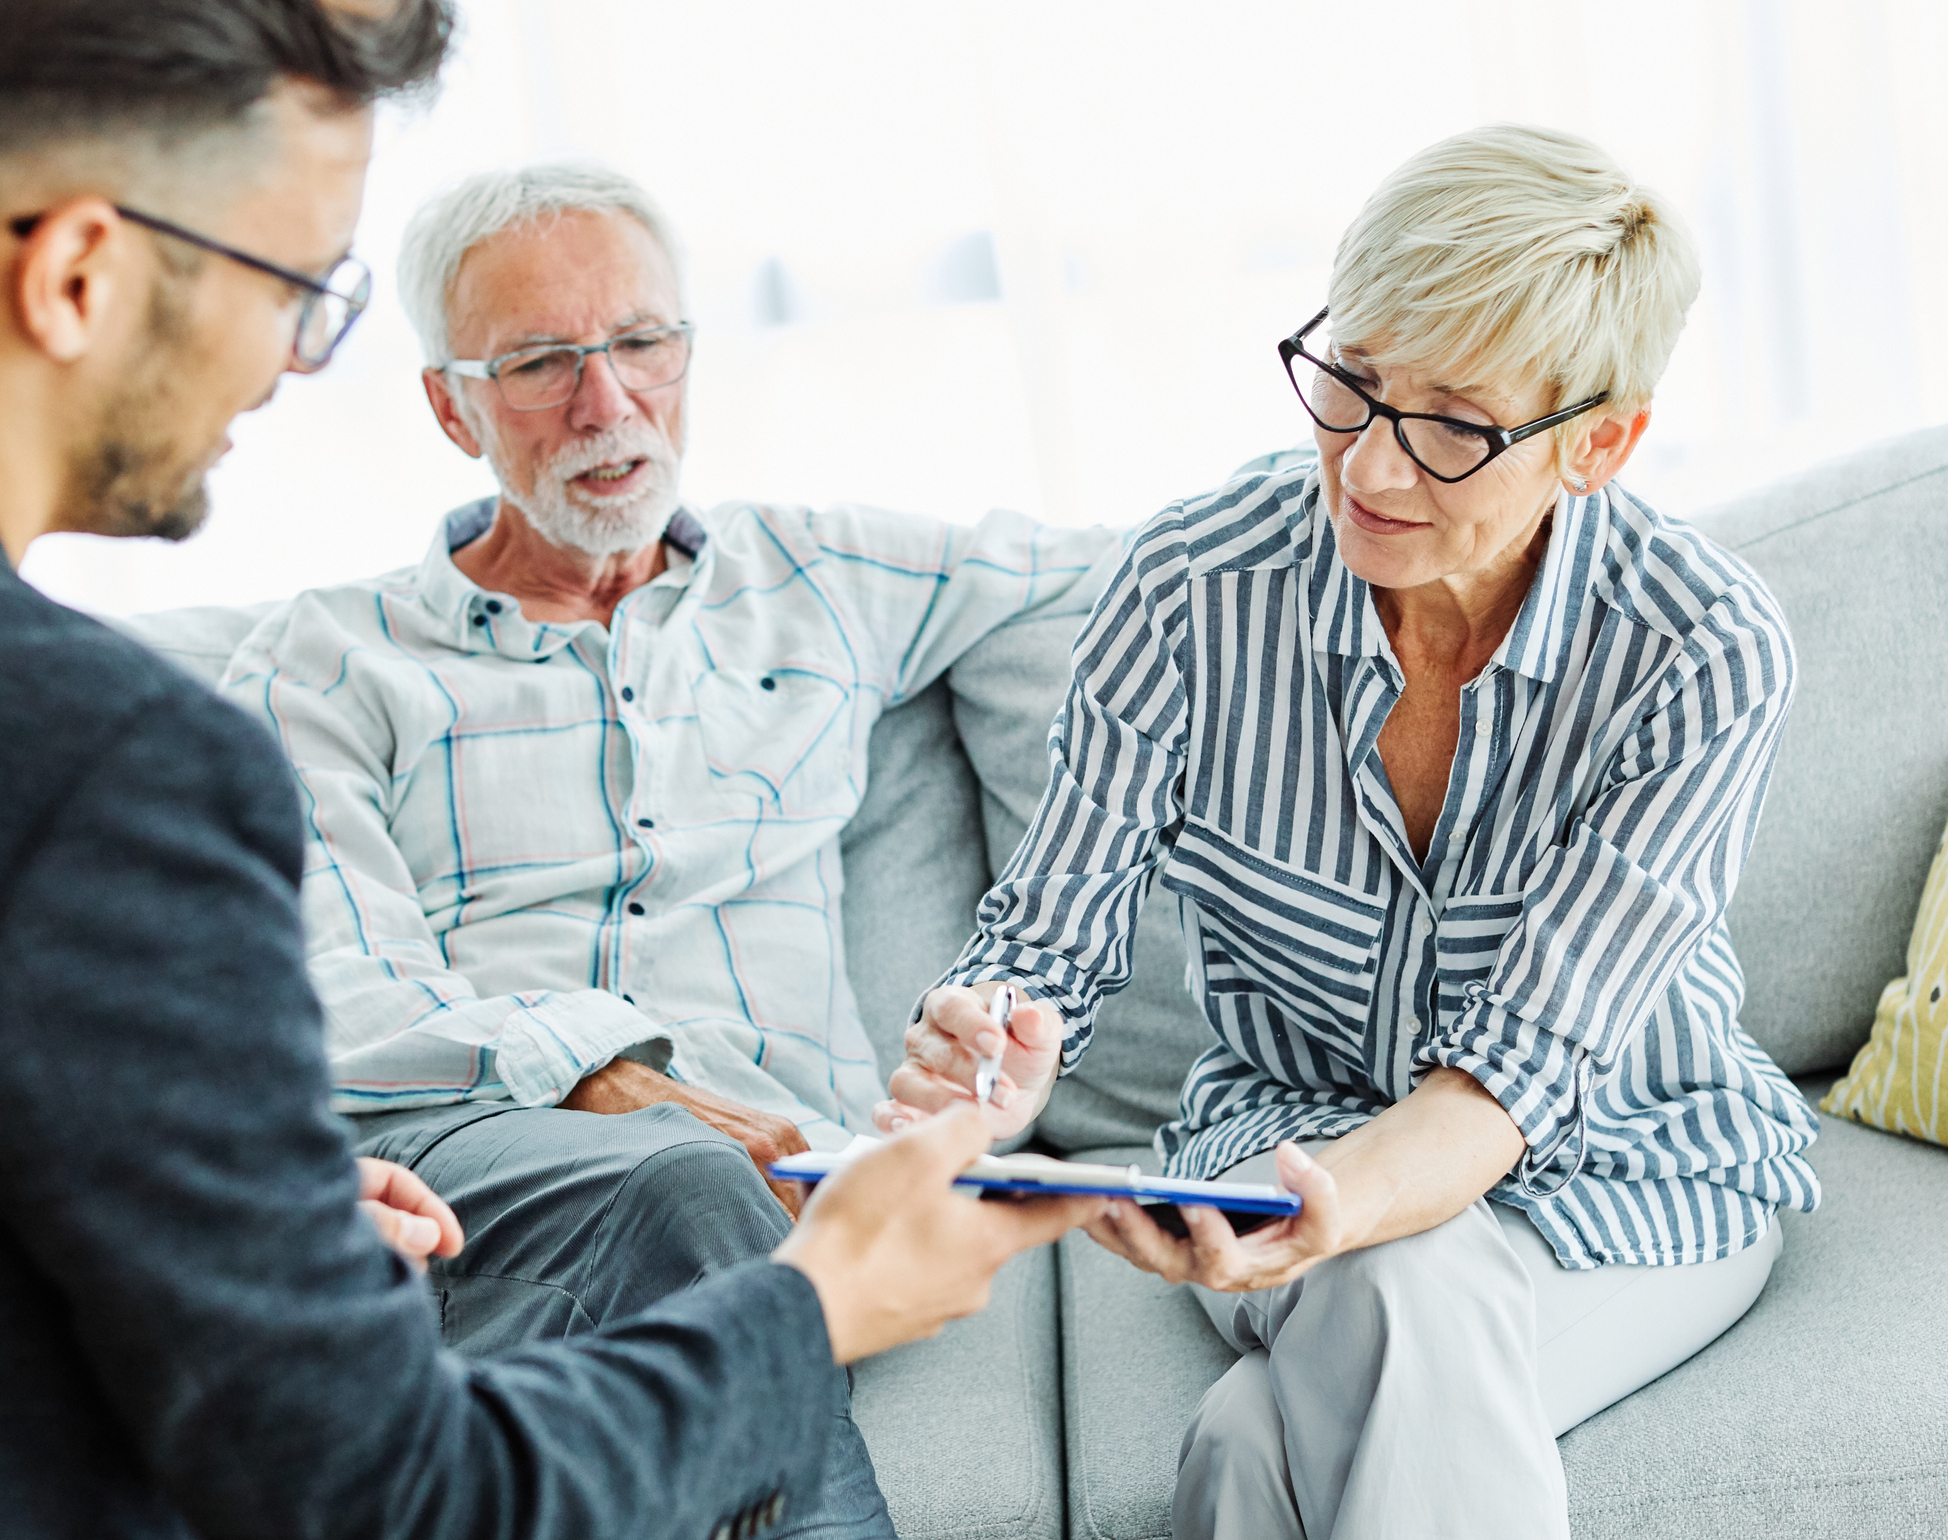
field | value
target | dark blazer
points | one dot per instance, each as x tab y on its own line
199	1333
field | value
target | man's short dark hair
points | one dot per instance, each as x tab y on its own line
173	70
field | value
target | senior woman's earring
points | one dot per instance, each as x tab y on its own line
1579	484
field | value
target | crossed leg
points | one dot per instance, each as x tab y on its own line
575	1219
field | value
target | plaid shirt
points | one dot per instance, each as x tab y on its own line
534	846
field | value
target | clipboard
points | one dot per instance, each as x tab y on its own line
1247	1204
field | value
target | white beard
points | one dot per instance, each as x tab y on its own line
571	517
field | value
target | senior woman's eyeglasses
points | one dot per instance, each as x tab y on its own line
330	305
534	379
1447	448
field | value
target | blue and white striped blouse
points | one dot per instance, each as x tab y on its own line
1564	942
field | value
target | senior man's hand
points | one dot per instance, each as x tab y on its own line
622	1085
944	1046
410	1217
895	1252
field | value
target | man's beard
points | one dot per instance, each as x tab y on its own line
129	478
572	517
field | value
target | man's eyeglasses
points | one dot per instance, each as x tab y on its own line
330	305
534	379
1447	448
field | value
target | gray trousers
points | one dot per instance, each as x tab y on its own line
1418	1387
575	1219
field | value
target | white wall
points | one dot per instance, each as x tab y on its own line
1155	190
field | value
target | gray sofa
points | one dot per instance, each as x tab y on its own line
1057	1412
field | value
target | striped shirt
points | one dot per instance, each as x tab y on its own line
1564	941
533	846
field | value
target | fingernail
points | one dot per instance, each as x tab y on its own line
1303	1160
421	1232
1002	1096
990	1043
900	1123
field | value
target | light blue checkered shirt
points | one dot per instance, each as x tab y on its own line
535	846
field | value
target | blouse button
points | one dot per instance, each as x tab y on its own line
1481	729
768	682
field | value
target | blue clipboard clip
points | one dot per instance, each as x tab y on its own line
1247	1204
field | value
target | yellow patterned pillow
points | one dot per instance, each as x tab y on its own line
1899	1081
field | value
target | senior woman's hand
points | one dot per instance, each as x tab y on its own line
944	1046
1214	1255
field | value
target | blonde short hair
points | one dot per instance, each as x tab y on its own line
1519	255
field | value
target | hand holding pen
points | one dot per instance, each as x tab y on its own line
988	1044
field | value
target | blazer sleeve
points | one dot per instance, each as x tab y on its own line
172	1172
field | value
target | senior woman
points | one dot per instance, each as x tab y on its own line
1451	752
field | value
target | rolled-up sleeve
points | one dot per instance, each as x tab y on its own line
1060	919
1610	914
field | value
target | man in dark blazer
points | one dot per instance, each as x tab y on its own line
200	1331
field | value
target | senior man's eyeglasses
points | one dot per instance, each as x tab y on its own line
535	378
331	304
1447	448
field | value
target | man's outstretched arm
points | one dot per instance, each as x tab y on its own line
174	1177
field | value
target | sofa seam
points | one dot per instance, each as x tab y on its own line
1840	507
1913	1473
1056	1273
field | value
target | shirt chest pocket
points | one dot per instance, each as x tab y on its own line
1306	940
781	735
1467	939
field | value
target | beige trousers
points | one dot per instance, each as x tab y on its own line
1416	1389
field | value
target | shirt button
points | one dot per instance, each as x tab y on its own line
1481	729
637	909
493	606
645	823
627	693
1413	1024
768	682
480	620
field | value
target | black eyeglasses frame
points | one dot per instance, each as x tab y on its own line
1499	440
354	302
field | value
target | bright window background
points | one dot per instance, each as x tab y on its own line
949	256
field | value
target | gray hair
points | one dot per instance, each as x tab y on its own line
451	223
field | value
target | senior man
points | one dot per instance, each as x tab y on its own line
576	782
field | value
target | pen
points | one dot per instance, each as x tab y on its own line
988	1071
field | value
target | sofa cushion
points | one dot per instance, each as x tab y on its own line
1823	1413
1007	690
1857	553
915	865
965	1430
1895	1082
1137	1356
